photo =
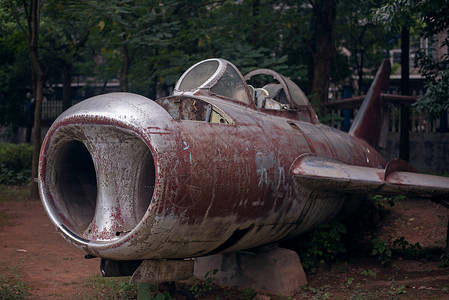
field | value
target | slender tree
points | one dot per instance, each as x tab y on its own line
323	49
30	30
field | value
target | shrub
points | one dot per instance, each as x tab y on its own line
324	244
15	163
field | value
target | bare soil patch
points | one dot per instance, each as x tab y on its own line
30	245
54	269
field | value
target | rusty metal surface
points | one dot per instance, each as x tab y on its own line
353	102
367	124
294	95
399	99
124	177
320	173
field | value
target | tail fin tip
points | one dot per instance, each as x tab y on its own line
369	119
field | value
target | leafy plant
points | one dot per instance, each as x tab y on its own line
324	244
349	281
319	293
199	288
249	293
381	250
399	290
407	249
380	201
11	286
369	272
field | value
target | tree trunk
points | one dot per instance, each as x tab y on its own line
31	33
360	74
125	69
38	93
37	135
324	12
67	87
405	90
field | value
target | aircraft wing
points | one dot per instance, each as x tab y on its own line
328	175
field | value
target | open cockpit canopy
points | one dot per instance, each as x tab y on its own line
217	77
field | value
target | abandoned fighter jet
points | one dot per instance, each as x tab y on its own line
218	166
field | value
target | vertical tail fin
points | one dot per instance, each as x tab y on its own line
369	120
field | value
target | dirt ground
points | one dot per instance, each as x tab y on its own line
53	269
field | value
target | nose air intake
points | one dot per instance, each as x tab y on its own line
76	182
100	184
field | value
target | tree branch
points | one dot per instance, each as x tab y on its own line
25	33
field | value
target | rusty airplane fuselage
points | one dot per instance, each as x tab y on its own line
219	166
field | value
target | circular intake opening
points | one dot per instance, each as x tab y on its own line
146	184
76	182
100	189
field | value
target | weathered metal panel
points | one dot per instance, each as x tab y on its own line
210	180
127	178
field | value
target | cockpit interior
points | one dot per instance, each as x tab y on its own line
218	78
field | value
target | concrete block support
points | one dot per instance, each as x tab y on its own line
152	271
277	271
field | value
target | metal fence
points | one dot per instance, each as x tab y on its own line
50	111
418	120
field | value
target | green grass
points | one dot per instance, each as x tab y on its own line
97	287
11	285
14	193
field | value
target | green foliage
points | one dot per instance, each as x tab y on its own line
15	163
395	13
110	288
372	211
428	18
397	290
14	71
11	285
199	288
369	272
324	244
381	250
359	34
148	44
406	249
381	201
435	100
249	293
333	120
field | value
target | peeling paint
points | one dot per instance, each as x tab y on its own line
124	177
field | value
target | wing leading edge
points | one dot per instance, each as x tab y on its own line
324	174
